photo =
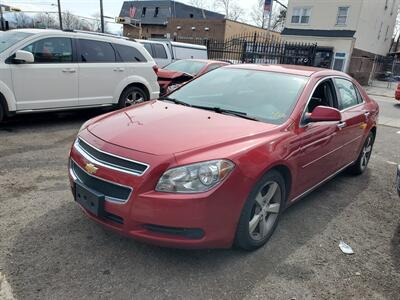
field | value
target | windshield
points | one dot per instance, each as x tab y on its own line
186	66
9	38
267	96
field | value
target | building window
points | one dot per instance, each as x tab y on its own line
144	11
343	12
301	15
156	12
340	61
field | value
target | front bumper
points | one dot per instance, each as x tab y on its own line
206	220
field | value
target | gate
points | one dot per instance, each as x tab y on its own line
258	48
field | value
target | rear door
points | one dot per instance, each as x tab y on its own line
354	118
52	80
99	72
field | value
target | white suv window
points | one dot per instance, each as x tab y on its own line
51	50
129	54
95	51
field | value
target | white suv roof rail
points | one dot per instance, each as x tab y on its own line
99	34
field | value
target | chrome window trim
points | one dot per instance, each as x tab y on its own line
108	165
108	199
313	91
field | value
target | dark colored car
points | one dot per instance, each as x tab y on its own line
181	71
217	162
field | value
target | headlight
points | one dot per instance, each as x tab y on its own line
195	178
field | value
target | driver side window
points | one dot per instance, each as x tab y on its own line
322	96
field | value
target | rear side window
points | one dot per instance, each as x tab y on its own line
348	96
159	51
51	50
129	54
96	51
148	48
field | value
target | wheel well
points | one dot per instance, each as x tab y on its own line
139	85
287	176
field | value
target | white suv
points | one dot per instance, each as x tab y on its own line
43	70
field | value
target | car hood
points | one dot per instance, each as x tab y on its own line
160	128
166	74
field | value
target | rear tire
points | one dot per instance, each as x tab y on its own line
261	212
363	159
2	113
132	95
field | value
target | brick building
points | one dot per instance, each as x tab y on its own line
171	19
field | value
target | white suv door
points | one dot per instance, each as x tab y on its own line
51	81
99	72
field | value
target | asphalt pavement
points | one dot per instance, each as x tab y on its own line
50	250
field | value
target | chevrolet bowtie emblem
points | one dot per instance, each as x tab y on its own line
91	168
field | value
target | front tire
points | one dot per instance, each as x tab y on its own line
363	159
132	95
261	212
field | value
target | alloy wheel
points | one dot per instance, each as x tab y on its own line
133	98
265	210
366	152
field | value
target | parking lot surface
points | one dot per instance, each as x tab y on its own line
50	250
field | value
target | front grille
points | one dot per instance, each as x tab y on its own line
111	191
110	161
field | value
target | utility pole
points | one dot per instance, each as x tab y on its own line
101	16
60	14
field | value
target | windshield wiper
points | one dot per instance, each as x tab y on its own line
220	110
173	100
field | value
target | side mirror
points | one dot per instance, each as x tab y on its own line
325	114
23	57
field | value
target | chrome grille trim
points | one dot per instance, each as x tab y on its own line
75	177
90	157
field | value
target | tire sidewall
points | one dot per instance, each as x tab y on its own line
243	239
359	168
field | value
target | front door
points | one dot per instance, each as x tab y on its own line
51	81
320	142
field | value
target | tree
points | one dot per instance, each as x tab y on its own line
22	20
96	23
70	21
45	20
260	19
230	8
200	4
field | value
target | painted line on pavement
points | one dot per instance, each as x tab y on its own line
391	163
5	289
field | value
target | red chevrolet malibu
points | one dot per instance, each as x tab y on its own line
217	162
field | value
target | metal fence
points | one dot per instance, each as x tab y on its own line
257	48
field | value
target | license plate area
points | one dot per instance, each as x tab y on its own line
89	199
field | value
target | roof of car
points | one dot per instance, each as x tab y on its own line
289	69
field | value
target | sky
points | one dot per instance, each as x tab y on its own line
90	7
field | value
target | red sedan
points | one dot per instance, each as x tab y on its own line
181	71
217	162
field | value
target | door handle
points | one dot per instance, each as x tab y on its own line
367	113
68	70
341	125
118	69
